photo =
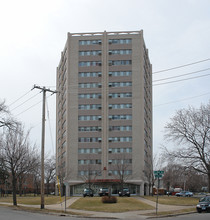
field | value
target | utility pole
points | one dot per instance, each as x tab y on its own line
44	90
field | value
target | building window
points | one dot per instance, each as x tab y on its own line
89	42
64	134
121	117
89	96
89	63
120	95
89	74
89	150
90	107
88	139
64	125
120	41
90	53
120	84
120	106
97	161
87	129
89	85
120	73
120	172
91	172
89	117
121	139
120	52
118	161
63	164
64	144
120	128
119	62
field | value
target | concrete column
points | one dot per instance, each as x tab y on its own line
147	189
142	189
67	189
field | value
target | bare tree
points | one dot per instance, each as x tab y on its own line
190	129
155	164
149	177
37	178
173	176
91	172
5	118
122	167
18	155
50	172
176	175
3	175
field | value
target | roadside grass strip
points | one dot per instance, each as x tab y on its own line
173	200
174	212
33	200
122	205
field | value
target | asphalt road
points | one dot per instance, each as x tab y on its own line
194	216
11	214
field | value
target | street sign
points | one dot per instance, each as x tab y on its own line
158	173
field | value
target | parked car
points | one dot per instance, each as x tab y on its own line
184	194
188	194
168	193
103	192
88	192
204	204
124	192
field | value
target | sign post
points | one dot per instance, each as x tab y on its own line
158	174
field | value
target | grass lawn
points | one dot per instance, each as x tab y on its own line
189	210
173	200
123	205
32	200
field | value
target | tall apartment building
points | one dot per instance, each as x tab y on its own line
104	112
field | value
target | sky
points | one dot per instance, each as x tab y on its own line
34	32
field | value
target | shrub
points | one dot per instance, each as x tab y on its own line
109	199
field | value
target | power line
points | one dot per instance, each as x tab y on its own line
19	98
153	81
181	80
25	101
167	103
181	75
177	67
30	107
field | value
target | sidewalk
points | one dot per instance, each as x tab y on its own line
143	214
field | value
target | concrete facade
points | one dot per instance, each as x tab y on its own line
104	112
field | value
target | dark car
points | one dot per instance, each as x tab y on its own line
124	192
204	204
88	192
103	192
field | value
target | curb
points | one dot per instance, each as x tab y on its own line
171	215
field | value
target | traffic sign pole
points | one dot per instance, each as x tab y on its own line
158	174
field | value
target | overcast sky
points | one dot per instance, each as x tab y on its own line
34	32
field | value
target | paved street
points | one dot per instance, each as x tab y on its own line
7	214
194	216
11	214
